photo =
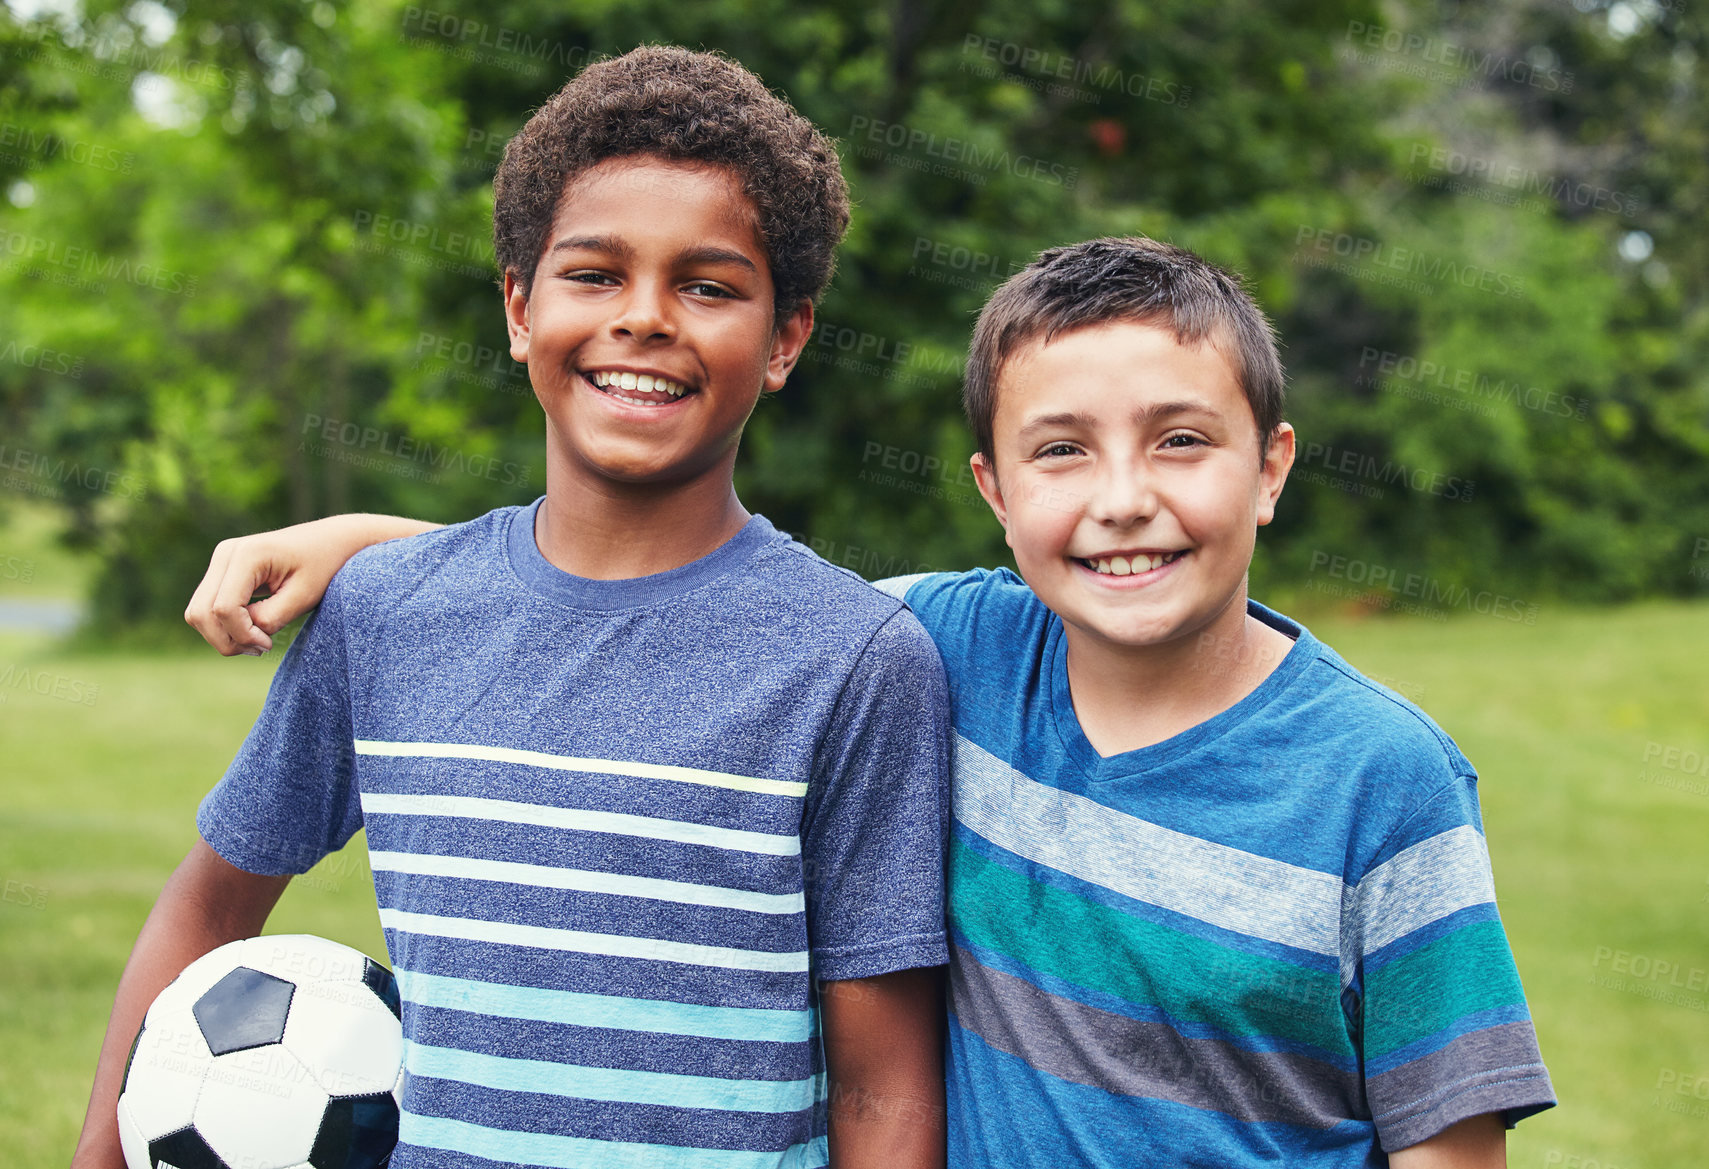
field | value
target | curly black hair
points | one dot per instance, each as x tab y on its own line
683	106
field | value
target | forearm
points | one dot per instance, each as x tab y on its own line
884	1055
1478	1142
293	566
875	1124
365	528
201	908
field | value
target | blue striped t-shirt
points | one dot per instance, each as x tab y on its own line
1269	940
618	830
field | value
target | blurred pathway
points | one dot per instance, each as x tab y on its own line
38	615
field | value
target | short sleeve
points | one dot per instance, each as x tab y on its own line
289	797
1443	1024
877	813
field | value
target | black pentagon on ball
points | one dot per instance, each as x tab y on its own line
379	980
244	1009
184	1149
357	1132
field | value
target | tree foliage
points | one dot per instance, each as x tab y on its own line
246	263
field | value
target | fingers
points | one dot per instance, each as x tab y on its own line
288	602
218	608
244	577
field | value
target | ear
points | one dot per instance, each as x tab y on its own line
786	346
985	475
516	316
1278	458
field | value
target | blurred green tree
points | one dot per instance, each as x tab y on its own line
256	240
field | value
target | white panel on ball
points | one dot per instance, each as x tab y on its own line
261	1108
304	958
166	1073
347	1035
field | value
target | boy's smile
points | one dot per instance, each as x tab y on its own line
1129	483
648	331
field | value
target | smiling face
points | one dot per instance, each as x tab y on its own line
1129	482
648	330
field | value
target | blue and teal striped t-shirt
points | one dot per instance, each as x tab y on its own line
1271	939
619	829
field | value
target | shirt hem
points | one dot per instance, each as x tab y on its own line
887	957
235	848
1514	1092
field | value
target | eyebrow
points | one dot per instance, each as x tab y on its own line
617	248
1073	419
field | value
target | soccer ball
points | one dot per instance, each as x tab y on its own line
281	1052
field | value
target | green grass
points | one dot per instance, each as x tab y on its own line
1592	855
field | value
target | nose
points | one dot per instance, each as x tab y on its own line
1123	494
644	313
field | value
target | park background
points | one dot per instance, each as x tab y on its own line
246	279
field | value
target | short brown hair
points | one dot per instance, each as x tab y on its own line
1124	279
684	106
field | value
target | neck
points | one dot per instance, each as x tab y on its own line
604	529
1128	697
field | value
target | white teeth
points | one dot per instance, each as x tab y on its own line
1129	565
612	379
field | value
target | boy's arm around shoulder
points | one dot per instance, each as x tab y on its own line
206	903
294	565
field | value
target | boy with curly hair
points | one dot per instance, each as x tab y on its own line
654	797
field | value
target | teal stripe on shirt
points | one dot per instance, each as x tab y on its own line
618	1085
599	1010
560	1152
